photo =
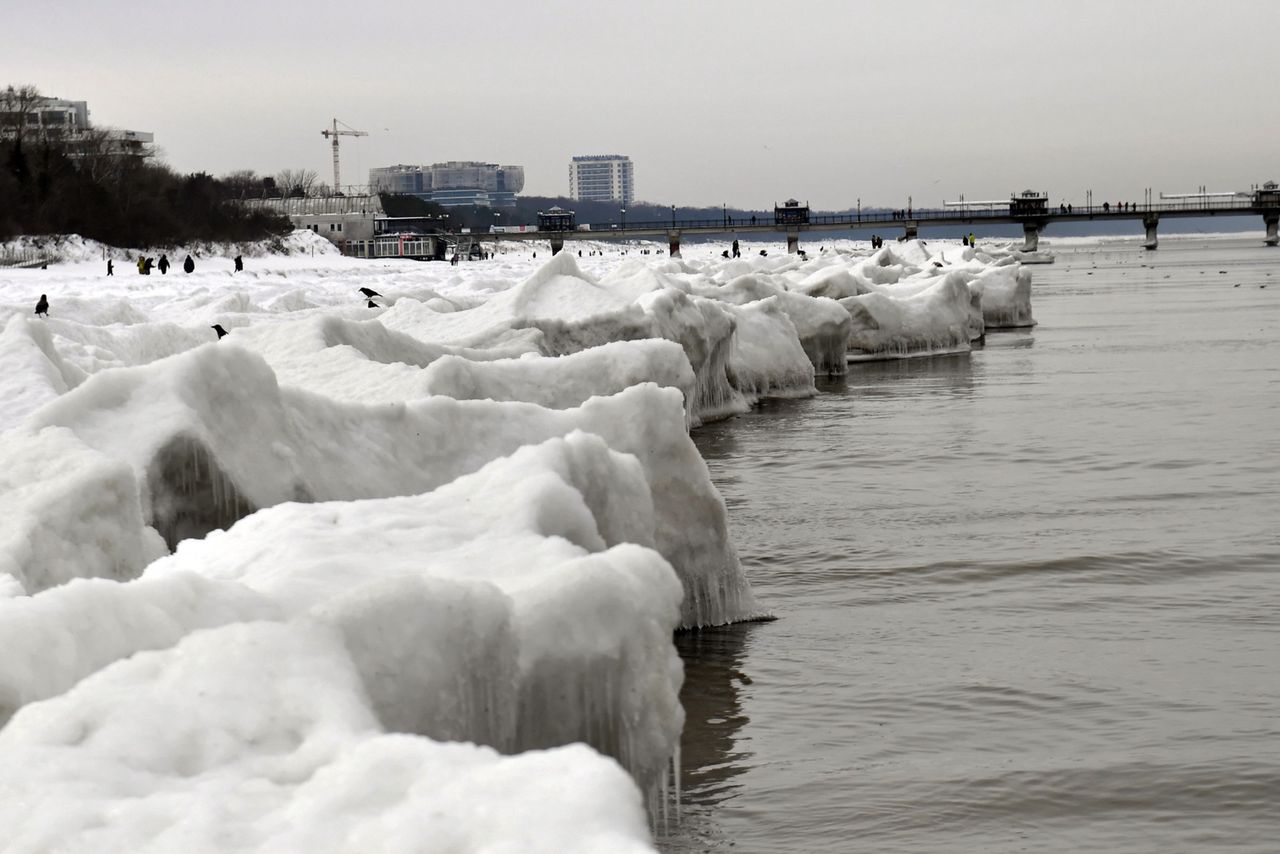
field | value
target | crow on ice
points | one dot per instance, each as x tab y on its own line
42	307
217	327
370	292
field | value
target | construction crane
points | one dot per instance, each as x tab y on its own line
335	133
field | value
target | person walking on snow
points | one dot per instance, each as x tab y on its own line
188	265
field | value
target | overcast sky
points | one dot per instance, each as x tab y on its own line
743	102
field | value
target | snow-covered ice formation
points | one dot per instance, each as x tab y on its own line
914	317
258	737
516	607
351	566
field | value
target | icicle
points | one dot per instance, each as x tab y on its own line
666	823
675	766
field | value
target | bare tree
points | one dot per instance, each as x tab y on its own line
97	155
296	182
17	105
245	184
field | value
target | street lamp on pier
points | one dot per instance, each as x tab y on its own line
673	216
624	219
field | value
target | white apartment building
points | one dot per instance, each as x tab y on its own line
602	178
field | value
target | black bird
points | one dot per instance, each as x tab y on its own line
217	327
42	307
370	292
373	304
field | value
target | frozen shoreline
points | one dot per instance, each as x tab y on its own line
470	513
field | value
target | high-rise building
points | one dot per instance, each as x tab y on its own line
602	178
452	184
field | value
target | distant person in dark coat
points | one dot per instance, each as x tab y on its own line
188	265
239	264
147	265
164	264
111	270
42	307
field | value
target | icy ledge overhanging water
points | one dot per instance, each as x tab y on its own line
416	549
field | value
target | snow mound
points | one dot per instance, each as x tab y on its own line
821	324
35	373
67	511
766	359
1005	296
180	425
937	319
258	736
441	615
564	381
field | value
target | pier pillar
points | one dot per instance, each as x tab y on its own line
912	230
673	243
793	241
1273	227
1150	221
1031	236
557	243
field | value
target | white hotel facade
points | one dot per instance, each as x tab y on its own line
602	178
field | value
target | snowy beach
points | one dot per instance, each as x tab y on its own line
400	571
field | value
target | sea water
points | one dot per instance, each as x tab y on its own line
1028	598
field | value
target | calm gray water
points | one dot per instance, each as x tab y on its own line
1028	599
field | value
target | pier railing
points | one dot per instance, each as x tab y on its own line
936	215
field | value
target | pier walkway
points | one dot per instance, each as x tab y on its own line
1030	210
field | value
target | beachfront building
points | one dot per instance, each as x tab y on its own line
456	183
66	122
602	178
359	226
338	218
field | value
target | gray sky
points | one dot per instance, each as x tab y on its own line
743	102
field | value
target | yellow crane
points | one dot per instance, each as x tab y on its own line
335	133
